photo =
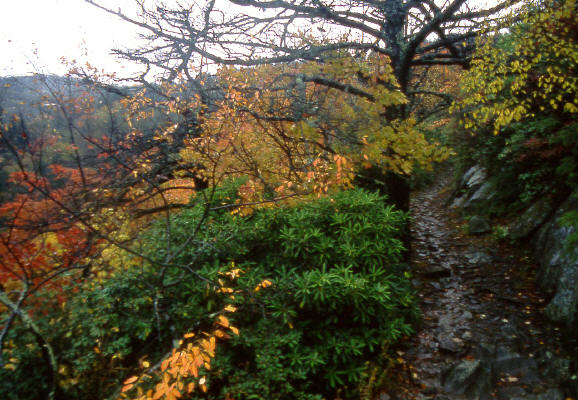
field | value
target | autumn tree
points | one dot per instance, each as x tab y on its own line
526	72
520	101
408	33
184	40
84	169
83	221
295	99
287	148
92	165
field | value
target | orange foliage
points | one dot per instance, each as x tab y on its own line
306	127
185	369
40	241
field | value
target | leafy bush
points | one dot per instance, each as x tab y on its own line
339	295
519	107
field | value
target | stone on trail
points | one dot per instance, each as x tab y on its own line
471	378
449	343
478	225
552	394
479	257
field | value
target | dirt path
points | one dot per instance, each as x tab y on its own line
483	334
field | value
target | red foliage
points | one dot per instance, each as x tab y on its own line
540	148
39	240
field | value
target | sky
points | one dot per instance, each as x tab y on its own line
35	34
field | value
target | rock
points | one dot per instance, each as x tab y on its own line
479	257
416	283
511	392
473	177
468	174
510	331
459	202
563	307
469	182
436	285
558	272
552	394
532	218
481	196
502	352
485	351
446	281
460	376
478	225
508	362
450	344
445	323
555	368
469	378
384	396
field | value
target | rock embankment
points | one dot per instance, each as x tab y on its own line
539	225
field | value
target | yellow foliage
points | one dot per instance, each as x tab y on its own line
184	370
290	133
537	74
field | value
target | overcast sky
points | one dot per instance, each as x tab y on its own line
34	34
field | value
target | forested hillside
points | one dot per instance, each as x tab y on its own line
233	222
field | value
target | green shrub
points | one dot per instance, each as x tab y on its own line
339	295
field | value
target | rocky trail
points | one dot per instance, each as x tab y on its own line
483	334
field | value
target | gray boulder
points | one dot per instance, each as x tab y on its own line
459	201
473	177
470	378
558	272
532	218
563	307
552	394
468	186
480	197
479	257
478	225
556	368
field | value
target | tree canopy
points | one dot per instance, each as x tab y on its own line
183	38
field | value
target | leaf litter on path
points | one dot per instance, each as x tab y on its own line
479	304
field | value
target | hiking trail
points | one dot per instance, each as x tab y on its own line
483	334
